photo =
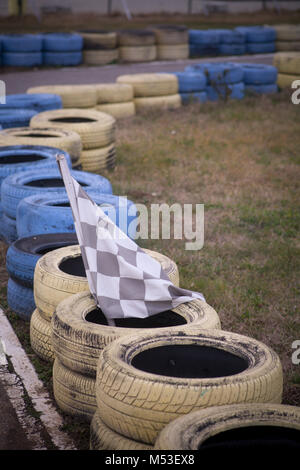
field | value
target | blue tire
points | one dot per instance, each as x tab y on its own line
53	214
24	253
39	102
228	36
269	88
232	49
196	97
16	158
231	91
191	81
259	74
17	186
62	58
261	48
8	229
22	42
198	50
203	37
257	34
62	42
219	72
11	117
22	59
20	299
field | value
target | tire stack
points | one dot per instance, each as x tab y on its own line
115	99
21	259
137	46
79	338
15	159
96	129
260	78
62	49
192	86
224	79
68	141
153	90
12	117
203	43
231	42
22	50
287	37
145	381
288	66
72	96
99	47
172	42
259	39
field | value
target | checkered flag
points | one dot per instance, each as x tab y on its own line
123	279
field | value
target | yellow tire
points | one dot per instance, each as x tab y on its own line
151	84
144	381
96	160
118	110
99	39
73	96
173	52
41	337
170	35
74	393
100	57
53	283
137	53
103	438
287	46
157	102
193	431
109	93
132	38
285	80
80	330
287	32
68	141
287	62
96	129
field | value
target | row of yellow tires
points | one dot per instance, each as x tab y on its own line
288	65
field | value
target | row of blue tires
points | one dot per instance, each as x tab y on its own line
33	59
48	42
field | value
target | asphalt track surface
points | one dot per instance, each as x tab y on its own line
19	430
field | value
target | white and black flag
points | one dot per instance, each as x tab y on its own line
124	280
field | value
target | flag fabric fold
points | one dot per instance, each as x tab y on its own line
123	279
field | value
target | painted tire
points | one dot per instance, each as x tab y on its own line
99	39
234	91
157	379
20	299
17	186
11	117
202	37
220	72
170	34
196	97
21	43
137	53
257	34
232	49
262	89
16	158
259	74
109	93
62	58
189	81
38	214
22	59
287	62
228	429
72	96
231	37
62	42
100	57
118	110
136	38
157	102
173	52
61	273
285	80
151	84
39	102
79	338
261	48
8	229
287	33
40	337
23	254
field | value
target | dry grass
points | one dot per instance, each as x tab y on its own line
241	159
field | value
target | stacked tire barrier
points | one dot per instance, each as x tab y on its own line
231	42
22	50
160	376
288	65
72	96
115	99
12	117
153	90
78	340
137	46
192	86
14	160
203	43
69	141
17	186
37	102
172	42
260	79
62	49
21	259
259	39
99	47
224	79
287	37
96	129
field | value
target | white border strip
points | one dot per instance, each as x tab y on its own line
33	385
